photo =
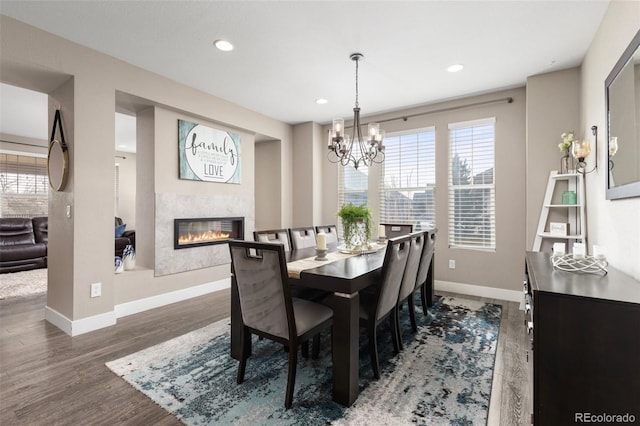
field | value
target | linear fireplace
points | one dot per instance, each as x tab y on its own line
206	231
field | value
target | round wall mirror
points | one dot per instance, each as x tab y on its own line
58	165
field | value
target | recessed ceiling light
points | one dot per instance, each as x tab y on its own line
223	45
455	68
321	101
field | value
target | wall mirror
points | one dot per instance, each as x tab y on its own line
622	88
58	165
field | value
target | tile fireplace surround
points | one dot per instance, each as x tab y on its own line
168	207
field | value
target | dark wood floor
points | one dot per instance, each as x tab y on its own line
47	377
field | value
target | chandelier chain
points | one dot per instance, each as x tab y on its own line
357	104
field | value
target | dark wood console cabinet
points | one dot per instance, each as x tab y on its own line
586	344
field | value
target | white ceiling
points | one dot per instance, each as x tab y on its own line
289	53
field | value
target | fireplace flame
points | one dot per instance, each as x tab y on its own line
203	237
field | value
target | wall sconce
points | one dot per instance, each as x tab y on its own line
581	150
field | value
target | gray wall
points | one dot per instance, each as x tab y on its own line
553	101
127	190
500	269
89	87
267	182
613	224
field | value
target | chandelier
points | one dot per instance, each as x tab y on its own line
354	149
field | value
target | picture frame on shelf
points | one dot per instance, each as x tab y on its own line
559	229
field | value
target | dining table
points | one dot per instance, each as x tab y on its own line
344	277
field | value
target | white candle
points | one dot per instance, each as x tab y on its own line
381	232
599	252
578	251
321	241
558	249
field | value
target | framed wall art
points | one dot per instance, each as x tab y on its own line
208	154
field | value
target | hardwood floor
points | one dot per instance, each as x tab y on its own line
47	377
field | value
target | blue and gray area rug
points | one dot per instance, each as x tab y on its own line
443	375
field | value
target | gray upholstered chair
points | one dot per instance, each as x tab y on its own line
392	230
302	237
331	231
283	236
409	280
383	304
268	310
426	259
274	236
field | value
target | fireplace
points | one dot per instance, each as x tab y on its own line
206	231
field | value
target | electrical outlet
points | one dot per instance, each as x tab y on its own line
96	289
452	264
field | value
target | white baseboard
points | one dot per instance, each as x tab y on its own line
96	322
476	290
81	326
137	306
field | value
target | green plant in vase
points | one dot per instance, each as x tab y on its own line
356	224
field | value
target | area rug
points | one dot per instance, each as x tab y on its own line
443	375
24	283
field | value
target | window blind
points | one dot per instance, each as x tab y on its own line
471	186
353	186
408	178
24	184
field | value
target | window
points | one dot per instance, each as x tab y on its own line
408	179
472	185
352	186
24	185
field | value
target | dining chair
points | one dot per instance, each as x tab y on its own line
302	237
426	259
268	310
392	230
274	235
331	231
376	308
409	280
283	236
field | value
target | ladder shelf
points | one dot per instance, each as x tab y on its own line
572	214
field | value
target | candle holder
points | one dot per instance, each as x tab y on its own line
321	254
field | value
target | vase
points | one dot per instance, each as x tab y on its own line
129	257
566	164
118	265
355	234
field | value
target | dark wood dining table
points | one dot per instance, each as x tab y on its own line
345	278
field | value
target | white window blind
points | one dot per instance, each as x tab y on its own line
471	206
24	185
408	179
353	186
